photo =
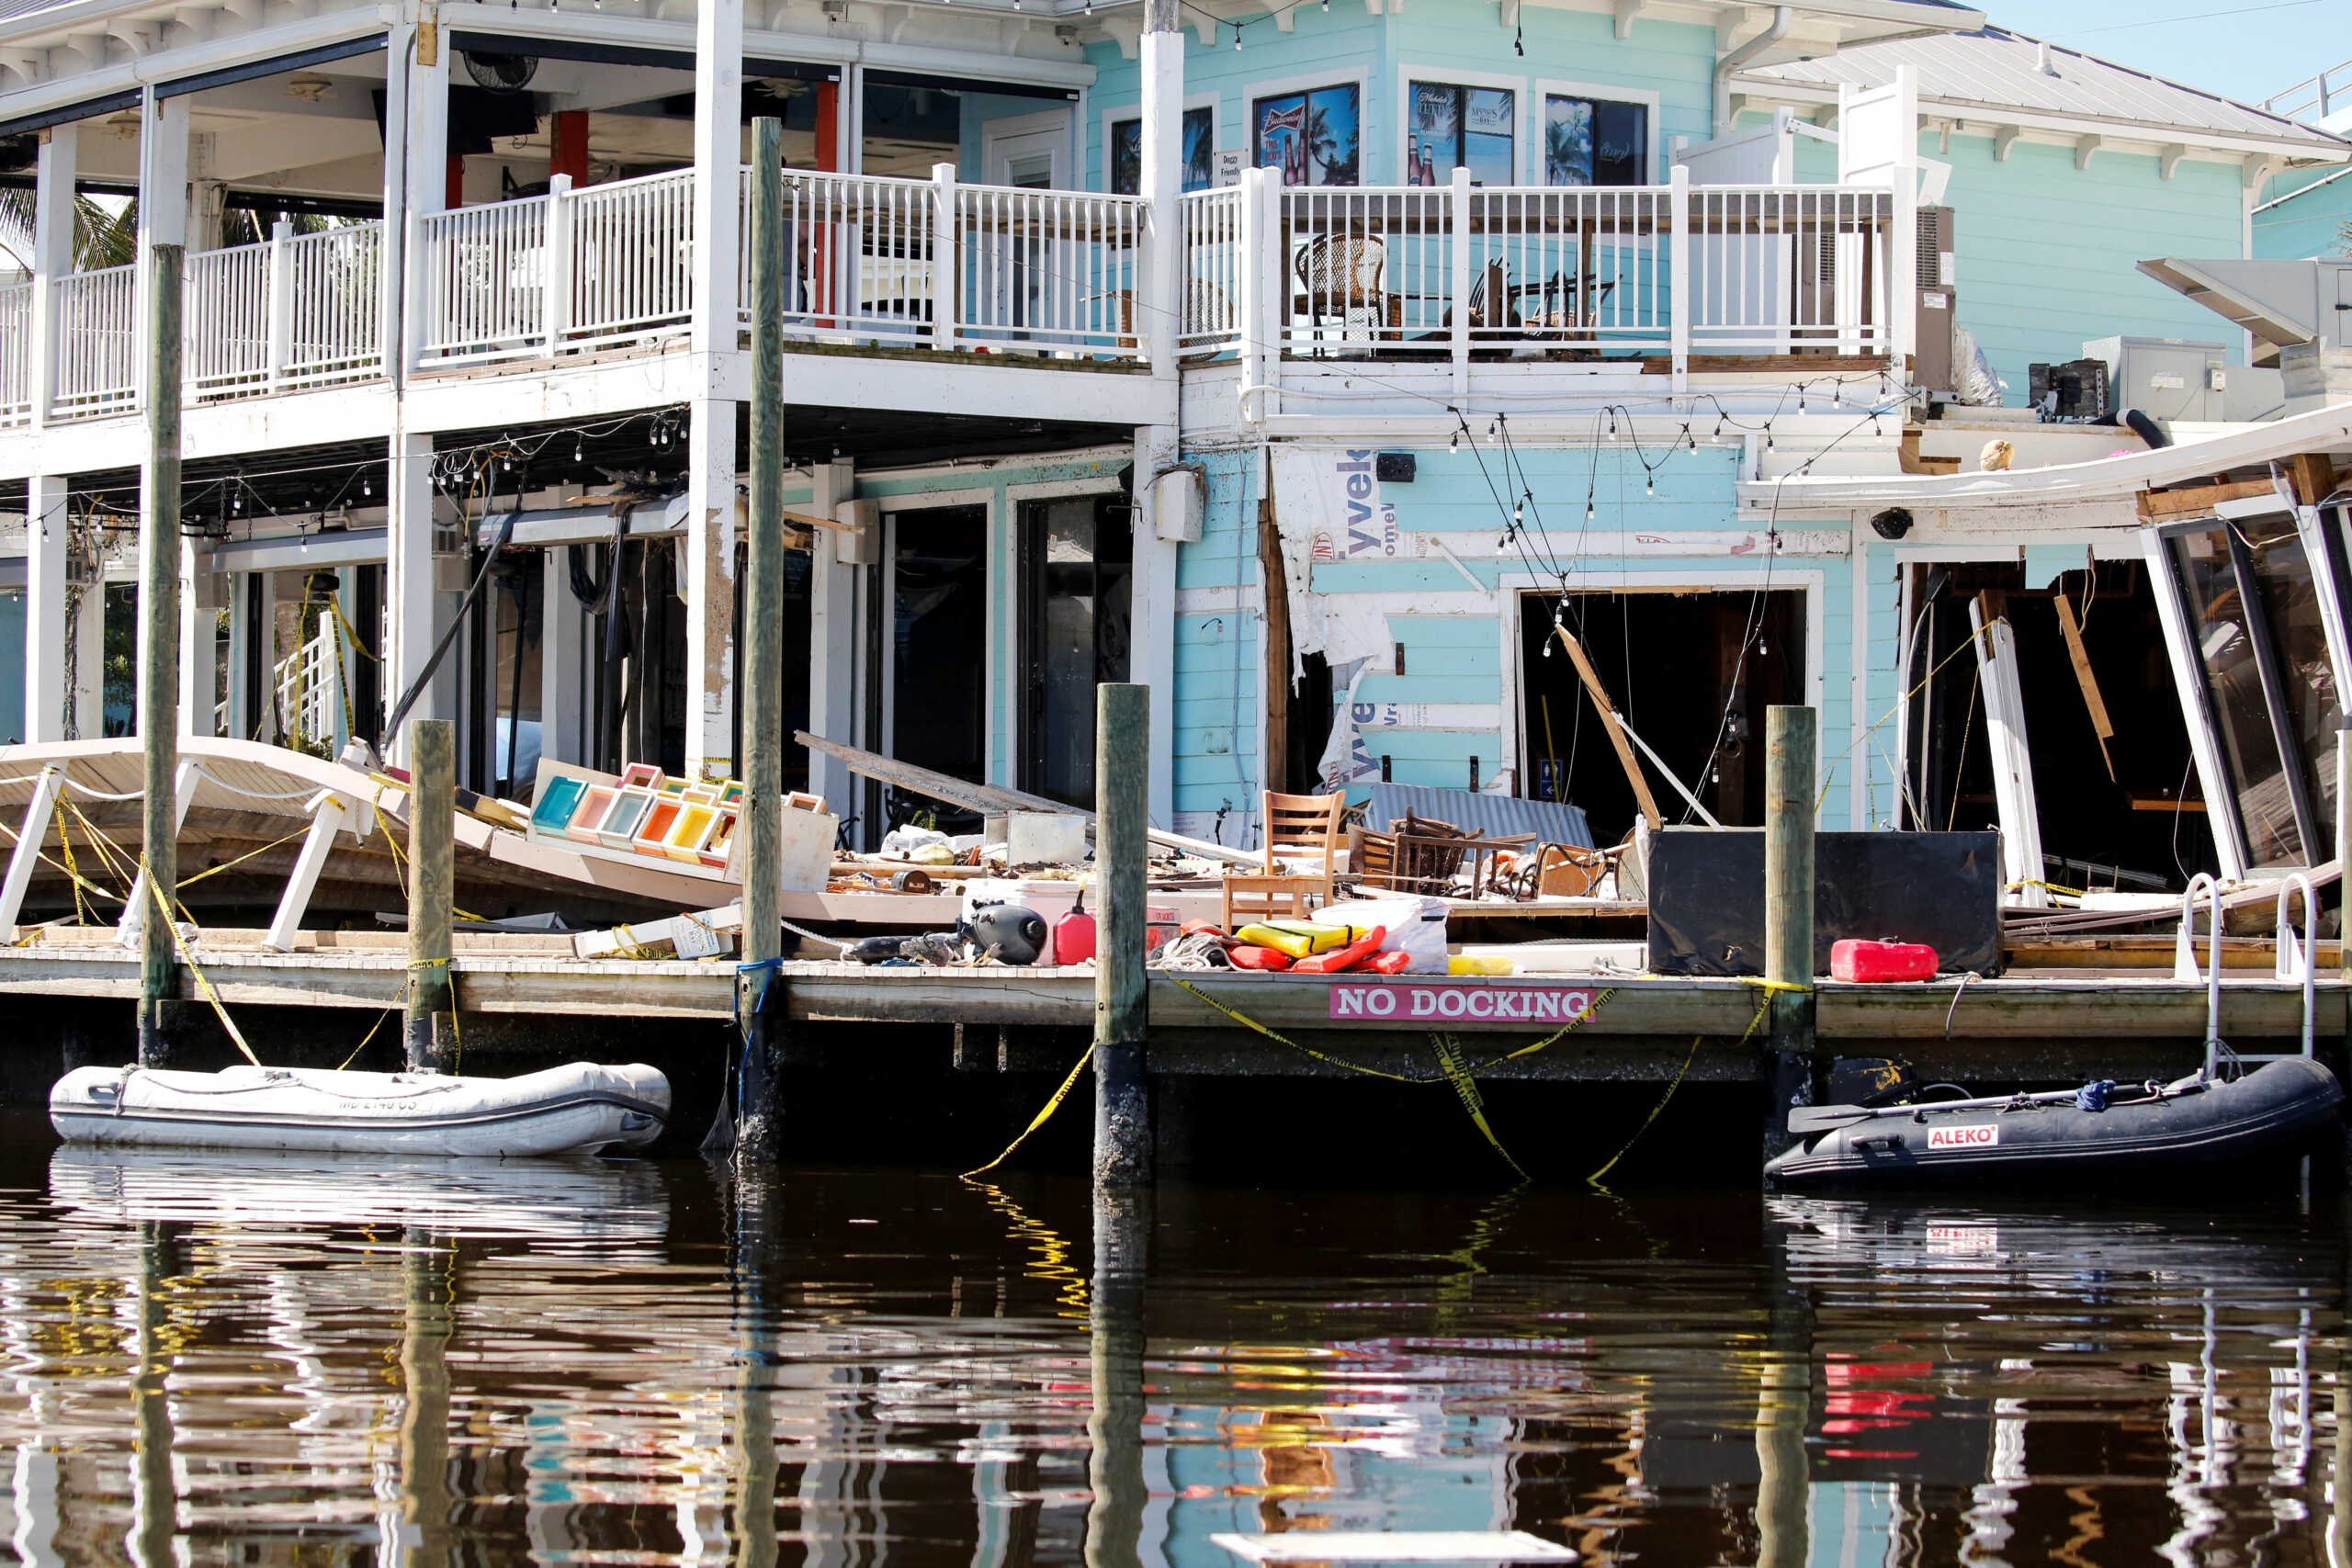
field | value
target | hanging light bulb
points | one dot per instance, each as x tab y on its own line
1649	484
1453	441
1237	37
1518	511
1800	400
1719	422
1587	509
367	484
303	540
1836	394
1518	39
579	449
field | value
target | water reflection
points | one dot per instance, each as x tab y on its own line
204	1359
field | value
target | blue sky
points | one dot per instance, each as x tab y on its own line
2247	49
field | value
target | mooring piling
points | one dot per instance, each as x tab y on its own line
763	634
1788	914
431	998
159	647
1122	1151
1117	1406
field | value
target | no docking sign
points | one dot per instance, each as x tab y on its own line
1435	1001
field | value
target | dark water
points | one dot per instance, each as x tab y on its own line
210	1362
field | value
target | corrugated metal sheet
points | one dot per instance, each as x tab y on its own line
1487	816
1994	68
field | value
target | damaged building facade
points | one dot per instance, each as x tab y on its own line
1318	368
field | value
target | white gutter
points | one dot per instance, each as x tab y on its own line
2104	479
1783	18
2312	146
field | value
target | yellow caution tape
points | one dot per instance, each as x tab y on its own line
1449	1056
1681	1073
1040	1119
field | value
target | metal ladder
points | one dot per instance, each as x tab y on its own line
2292	959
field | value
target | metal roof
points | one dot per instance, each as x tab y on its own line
1487	816
1994	70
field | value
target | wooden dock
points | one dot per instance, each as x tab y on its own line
2032	1025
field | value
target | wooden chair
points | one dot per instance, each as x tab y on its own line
1301	831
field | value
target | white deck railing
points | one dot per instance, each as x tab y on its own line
1406	272
938	263
1443	271
15	353
1214	262
96	345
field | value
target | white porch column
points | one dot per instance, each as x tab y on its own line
416	183
710	567
563	635
47	538
710	454
199	639
833	642
1151	659
1162	288
718	160
163	193
408	582
88	663
251	660
53	253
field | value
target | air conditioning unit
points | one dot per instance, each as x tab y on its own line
1939	304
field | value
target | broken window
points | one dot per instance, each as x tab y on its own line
2254	648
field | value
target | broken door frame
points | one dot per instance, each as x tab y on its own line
1811	580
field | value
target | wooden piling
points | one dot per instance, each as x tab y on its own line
159	644
763	634
1120	1495
1122	1151
1788	913
431	1001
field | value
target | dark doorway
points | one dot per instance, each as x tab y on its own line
1076	560
938	672
2111	816
1690	670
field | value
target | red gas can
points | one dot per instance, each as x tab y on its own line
1074	933
1857	960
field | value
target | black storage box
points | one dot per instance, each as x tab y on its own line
1707	897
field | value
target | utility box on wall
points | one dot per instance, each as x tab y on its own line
1939	306
1176	505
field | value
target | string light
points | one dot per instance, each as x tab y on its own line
1237	37
1453	441
1517	46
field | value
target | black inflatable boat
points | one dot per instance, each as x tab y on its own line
2029	1136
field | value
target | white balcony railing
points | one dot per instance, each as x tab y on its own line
15	353
96	345
1405	272
1444	271
1214	264
938	263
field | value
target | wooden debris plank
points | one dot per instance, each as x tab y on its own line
2079	656
1599	695
985	798
2312	477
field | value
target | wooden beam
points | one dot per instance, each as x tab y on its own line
1608	722
2194	501
1274	589
2080	658
2312	475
